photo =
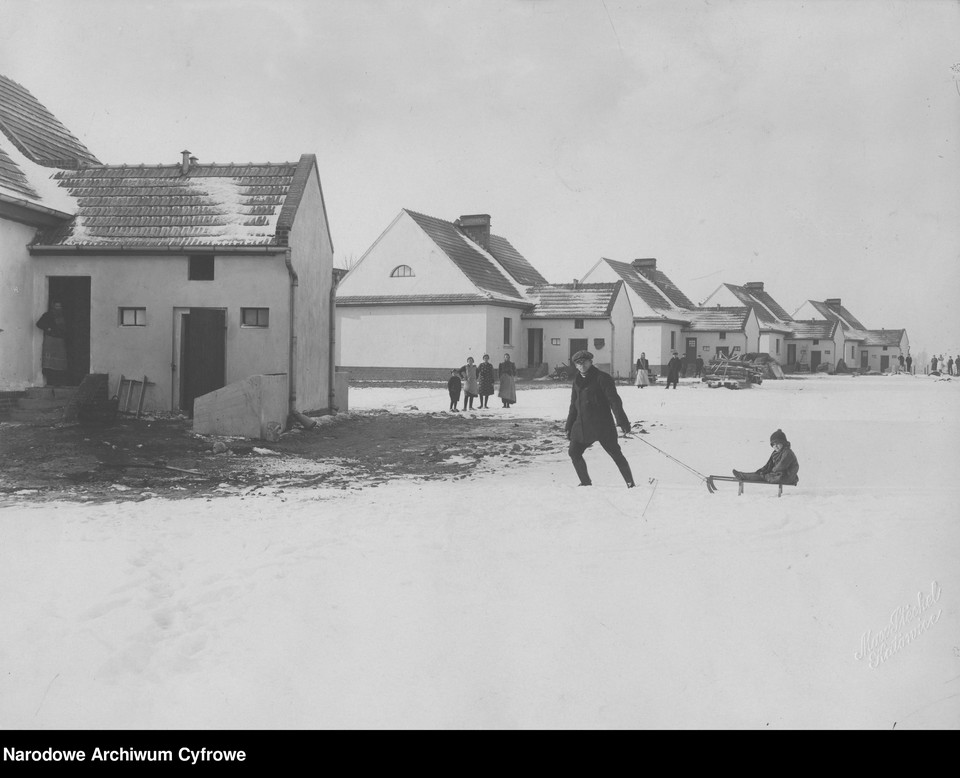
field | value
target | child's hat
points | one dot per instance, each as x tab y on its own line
778	437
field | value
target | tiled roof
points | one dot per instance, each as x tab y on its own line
816	329
482	271
719	319
769	314
569	301
514	263
839	312
36	132
13	178
210	205
418	299
670	289
645	290
883	337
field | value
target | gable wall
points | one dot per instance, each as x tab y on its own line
405	243
18	332
312	259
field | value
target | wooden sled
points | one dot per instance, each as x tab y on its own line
712	487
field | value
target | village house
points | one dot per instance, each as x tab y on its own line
774	321
195	275
814	342
660	309
716	332
594	317
428	294
859	348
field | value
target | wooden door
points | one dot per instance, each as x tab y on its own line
534	347
691	354
577	344
791	353
814	361
863	360
203	347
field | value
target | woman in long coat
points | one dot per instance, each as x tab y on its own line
54	354
508	384
643	370
470	387
485	379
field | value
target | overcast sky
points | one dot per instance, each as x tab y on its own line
810	145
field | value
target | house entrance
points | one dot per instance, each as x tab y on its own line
203	348
73	293
791	354
577	344
814	361
534	347
863	360
884	363
691	354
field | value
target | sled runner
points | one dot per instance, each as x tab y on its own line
712	486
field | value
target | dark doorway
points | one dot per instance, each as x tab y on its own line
203	347
863	360
577	344
791	354
73	292
884	363
814	361
691	354
534	347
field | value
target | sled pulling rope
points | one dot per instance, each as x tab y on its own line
710	487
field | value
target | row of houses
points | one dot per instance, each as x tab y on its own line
429	293
197	275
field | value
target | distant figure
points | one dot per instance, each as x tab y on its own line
470	386
699	367
454	384
909	364
950	366
53	359
673	371
507	371
941	365
593	399
781	468
901	362
956	365
485	377
933	365
643	370
683	365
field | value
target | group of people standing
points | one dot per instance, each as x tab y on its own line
949	367
676	367
477	381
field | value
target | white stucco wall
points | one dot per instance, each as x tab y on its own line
404	243
622	346
653	339
564	330
18	331
160	284
495	347
312	259
413	335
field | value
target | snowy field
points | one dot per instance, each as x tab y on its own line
513	599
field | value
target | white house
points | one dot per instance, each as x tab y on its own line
597	317
193	275
814	342
720	331
429	293
660	309
773	319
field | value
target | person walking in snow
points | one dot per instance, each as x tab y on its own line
673	370
699	366
454	384
594	405
781	468
485	379
470	385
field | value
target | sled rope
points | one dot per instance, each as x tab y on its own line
655	483
685	466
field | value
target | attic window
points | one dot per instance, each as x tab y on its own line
201	268
816	342
578	324
402	271
723	336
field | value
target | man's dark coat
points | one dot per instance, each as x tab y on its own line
594	403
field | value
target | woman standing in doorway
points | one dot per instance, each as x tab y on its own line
508	381
54	354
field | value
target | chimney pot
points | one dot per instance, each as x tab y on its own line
754	286
645	266
476	227
185	162
833	302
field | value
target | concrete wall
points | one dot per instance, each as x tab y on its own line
247	407
19	336
160	284
312	259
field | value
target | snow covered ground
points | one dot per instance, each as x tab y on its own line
513	599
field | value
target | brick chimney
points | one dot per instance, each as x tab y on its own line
477	228
185	162
645	267
833	302
753	286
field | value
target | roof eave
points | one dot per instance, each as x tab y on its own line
177	249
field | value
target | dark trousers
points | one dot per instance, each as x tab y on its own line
454	399
611	446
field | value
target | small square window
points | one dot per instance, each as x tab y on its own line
554	341
723	336
884	348
816	342
201	268
254	317
578	324
132	317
